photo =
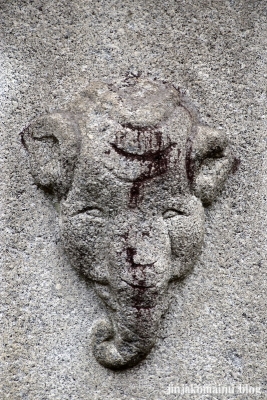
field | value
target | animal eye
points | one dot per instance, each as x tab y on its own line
172	213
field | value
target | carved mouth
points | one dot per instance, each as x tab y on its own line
138	286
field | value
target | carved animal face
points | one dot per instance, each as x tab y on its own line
132	170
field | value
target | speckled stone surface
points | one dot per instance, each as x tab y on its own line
215	330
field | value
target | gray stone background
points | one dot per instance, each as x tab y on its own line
215	330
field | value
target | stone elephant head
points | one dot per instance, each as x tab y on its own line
132	169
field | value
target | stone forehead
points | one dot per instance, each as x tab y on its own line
141	102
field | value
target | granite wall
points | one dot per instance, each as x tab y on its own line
214	332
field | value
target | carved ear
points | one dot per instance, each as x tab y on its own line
211	162
53	143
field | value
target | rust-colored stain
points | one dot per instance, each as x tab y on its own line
157	157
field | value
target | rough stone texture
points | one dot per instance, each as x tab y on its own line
214	331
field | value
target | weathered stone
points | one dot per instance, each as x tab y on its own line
126	161
214	332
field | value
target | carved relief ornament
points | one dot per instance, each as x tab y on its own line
132	169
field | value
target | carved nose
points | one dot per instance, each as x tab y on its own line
144	256
140	256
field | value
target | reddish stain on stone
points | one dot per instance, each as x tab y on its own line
156	156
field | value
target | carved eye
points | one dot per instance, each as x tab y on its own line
92	211
172	213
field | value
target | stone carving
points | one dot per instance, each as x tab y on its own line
132	169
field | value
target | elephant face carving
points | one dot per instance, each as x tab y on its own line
132	169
